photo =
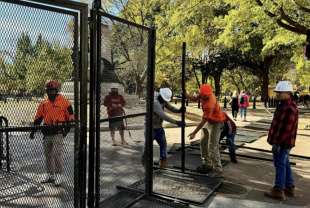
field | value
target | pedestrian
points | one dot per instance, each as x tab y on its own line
234	103
161	101
115	103
212	126
282	136
54	110
243	104
229	131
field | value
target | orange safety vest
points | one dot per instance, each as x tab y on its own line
54	112
212	111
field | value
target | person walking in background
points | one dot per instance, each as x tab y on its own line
243	104
229	131
212	126
282	136
234	103
115	103
54	110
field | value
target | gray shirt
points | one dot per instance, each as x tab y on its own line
159	115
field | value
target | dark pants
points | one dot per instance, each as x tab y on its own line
284	176
160	137
230	141
234	113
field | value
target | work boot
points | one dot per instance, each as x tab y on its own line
204	169
163	163
276	193
289	191
233	158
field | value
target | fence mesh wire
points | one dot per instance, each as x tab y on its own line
36	44
124	56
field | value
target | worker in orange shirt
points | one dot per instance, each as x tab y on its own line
54	110
211	124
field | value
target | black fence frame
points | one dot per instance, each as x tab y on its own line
80	13
95	102
5	123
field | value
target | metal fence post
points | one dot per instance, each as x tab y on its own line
183	106
149	122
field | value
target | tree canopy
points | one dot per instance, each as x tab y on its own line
227	35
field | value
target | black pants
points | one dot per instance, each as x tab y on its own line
234	112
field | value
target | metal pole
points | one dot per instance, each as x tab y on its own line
92	107
98	107
77	135
268	151
149	118
183	106
82	153
97	4
1	145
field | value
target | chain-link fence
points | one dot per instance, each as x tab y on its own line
38	43
123	75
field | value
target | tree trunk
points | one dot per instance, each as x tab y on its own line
265	84
217	83
139	87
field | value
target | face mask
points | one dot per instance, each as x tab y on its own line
52	97
114	92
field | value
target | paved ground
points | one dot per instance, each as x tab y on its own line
121	165
246	181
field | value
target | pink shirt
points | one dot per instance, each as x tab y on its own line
245	103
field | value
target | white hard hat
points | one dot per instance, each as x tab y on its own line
165	93
284	86
113	86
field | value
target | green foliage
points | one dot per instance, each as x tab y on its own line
50	62
239	79
34	64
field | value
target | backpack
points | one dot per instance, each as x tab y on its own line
242	100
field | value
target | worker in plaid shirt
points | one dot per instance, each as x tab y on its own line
282	136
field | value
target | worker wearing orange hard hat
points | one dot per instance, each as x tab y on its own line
54	110
211	125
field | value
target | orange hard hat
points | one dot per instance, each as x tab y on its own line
52	84
205	90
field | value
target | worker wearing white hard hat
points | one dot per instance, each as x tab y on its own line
166	94
161	101
284	86
282	136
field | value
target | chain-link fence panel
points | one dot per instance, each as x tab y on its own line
39	43
123	73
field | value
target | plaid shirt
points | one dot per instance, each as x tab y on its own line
284	125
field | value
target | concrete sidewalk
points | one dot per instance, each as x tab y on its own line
246	182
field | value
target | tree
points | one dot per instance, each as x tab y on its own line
292	15
51	61
23	52
263	45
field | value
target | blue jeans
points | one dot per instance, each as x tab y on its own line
160	137
231	145
284	177
243	112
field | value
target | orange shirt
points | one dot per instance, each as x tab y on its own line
54	112
212	111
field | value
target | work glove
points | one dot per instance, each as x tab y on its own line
180	123
276	148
